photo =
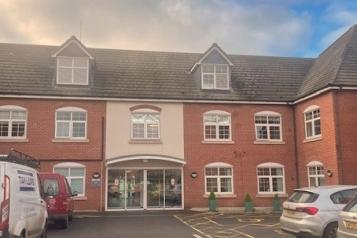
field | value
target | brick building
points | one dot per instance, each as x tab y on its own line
163	129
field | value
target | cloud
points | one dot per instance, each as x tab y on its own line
241	27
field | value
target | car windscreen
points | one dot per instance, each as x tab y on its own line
303	197
351	206
50	187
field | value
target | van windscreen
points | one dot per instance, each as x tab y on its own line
50	187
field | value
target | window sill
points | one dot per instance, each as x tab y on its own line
70	140
270	195
231	195
80	198
218	142
268	142
312	139
143	141
13	140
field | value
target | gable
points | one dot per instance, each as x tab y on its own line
74	48
214	53
215	57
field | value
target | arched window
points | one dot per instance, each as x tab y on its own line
270	178
71	123
219	178
268	126
312	122
13	121
75	174
145	124
316	175
217	126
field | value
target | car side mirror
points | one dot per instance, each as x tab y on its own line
74	194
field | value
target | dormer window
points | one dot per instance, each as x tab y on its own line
72	70
215	76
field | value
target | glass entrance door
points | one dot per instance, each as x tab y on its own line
155	188
144	189
134	189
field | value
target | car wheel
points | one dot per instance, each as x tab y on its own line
65	223
331	230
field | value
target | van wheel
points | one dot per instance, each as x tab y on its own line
331	230
44	232
65	223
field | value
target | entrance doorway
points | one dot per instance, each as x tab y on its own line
130	189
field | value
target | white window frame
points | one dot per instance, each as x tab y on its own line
316	164
218	165
69	166
72	67
12	108
215	77
147	112
271	165
268	125
217	124
71	110
313	121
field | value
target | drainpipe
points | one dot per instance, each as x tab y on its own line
339	156
101	164
296	150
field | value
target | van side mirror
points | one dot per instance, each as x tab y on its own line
74	194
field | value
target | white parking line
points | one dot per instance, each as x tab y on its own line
196	236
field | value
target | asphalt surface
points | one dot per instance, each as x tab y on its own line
134	225
172	225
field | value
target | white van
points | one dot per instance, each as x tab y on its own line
22	210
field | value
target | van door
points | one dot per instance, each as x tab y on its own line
33	206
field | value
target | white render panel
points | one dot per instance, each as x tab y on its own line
118	131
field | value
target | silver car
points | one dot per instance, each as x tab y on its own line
347	221
314	211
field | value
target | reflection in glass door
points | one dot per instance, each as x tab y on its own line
116	189
173	188
134	189
155	188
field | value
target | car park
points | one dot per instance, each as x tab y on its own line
314	211
347	220
59	198
22	207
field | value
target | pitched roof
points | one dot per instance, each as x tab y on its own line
30	70
337	65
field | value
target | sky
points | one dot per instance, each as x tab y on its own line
297	28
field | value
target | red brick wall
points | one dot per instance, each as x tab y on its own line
346	110
92	199
243	155
41	132
323	150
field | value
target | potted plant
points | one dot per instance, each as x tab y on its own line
212	202
276	203
248	203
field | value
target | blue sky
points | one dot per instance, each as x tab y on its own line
301	28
